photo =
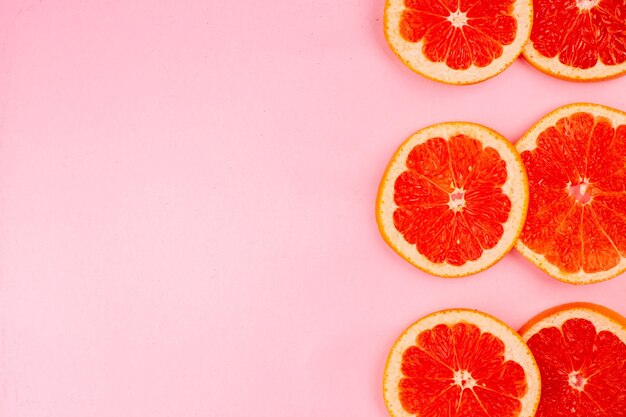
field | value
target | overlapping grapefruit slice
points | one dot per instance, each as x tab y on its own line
575	158
578	39
461	363
458	41
453	199
581	352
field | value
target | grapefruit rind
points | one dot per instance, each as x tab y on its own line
515	350
601	317
528	142
410	53
555	68
515	187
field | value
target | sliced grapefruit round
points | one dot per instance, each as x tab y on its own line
578	39
581	352
460	41
461	363
575	228
453	199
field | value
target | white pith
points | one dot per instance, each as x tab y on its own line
576	381
528	142
463	378
458	203
411	52
515	350
458	19
514	187
587	4
583	185
555	67
600	321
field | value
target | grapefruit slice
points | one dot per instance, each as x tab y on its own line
581	352
460	41
578	39
575	228
453	199
461	363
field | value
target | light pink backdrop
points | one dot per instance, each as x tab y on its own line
187	206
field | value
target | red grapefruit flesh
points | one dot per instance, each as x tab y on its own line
458	363
581	352
576	222
578	39
453	199
458	42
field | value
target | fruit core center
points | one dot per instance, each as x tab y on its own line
580	192
576	381
587	4
464	379
457	200
459	18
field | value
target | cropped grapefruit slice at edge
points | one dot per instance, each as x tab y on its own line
575	227
580	349
453	199
461	362
458	42
578	40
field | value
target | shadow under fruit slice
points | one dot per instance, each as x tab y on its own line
575	158
578	39
460	41
453	199
581	352
458	363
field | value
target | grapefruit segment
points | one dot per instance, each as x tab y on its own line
575	159
460	363
453	199
581	352
458	42
578	39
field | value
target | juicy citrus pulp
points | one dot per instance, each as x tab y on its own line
578	39
575	159
453	199
460	363
581	352
459	34
458	41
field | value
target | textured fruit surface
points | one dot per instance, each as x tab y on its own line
582	363
453	198
450	201
578	39
461	363
458	41
580	32
461	369
577	178
460	33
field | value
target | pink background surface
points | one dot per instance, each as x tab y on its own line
187	206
